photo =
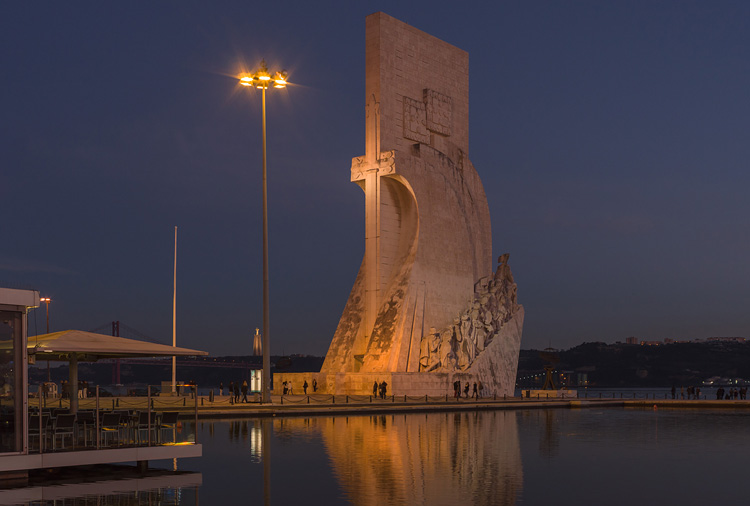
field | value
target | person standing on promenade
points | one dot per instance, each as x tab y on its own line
375	389
475	392
304	387
244	391
466	390
315	385
237	392
674	391
221	388
231	390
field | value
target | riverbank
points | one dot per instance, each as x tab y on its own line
326	405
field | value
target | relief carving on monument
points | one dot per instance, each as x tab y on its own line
415	121
439	109
459	345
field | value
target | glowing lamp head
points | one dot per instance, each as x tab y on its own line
262	73
280	79
262	78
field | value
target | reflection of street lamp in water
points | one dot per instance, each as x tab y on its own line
262	79
46	301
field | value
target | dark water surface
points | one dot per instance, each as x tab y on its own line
607	456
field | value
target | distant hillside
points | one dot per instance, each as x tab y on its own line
632	365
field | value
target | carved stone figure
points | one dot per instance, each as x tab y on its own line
447	356
471	344
424	353
434	361
503	271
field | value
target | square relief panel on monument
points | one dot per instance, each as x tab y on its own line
415	121
438	108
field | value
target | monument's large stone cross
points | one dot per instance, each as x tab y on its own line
425	310
369	169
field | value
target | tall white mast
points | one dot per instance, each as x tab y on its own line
174	315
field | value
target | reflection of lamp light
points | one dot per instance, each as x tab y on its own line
256	442
261	79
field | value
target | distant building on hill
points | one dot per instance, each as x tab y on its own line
726	339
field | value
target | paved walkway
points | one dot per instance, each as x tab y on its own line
324	404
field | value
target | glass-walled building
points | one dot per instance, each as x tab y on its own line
14	307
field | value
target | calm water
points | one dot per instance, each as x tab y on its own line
538	457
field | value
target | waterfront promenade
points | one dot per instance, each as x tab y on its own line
325	405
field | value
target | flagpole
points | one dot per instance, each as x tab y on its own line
174	316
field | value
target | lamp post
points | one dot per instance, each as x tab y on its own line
46	301
262	79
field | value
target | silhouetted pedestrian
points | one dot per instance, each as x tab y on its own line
244	391
375	389
475	392
466	390
304	387
221	388
237	392
315	385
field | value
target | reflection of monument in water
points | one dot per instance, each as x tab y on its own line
445	458
426	309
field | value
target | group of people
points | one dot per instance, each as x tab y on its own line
379	389
235	388
288	389
83	389
733	393
476	391
692	392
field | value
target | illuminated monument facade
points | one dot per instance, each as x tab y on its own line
426	308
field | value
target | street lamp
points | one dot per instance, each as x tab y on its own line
46	301
262	79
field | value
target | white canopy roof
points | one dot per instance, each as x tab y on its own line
89	346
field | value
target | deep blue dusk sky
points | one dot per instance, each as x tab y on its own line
611	137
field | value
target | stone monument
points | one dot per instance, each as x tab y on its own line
425	311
